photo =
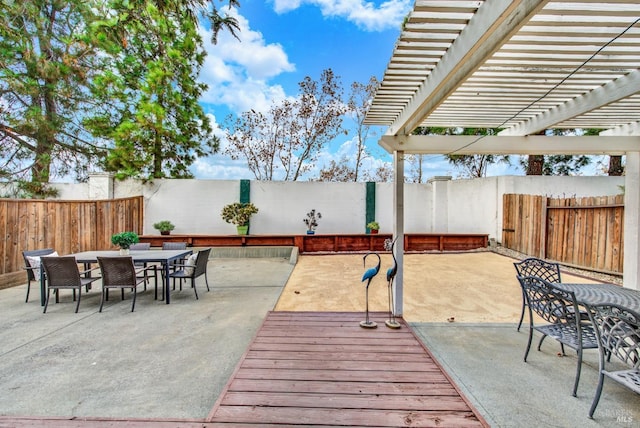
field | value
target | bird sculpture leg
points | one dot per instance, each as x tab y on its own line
366	323
391	322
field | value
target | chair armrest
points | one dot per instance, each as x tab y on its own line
143	269
83	272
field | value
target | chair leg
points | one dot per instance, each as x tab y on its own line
28	289
193	285
206	281
578	369
102	298
133	305
596	398
524	303
526	352
79	297
46	302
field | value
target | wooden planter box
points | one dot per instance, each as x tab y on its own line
414	242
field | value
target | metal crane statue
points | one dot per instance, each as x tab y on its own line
391	274
368	276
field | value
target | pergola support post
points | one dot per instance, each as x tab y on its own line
398	228
631	221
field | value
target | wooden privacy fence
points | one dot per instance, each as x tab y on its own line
65	226
583	232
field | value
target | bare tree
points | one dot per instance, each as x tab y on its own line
285	142
337	171
359	101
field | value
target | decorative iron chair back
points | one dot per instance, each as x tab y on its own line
550	303
618	329
618	335
539	268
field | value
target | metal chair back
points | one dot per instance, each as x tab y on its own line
618	332
33	272
532	266
559	309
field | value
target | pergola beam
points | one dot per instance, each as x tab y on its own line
614	90
489	28
516	145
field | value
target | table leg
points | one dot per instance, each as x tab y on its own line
167	293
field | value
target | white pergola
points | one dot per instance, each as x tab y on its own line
523	66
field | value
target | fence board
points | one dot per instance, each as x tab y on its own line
584	232
66	226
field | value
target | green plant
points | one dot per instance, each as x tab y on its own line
164	226
373	225
238	213
124	239
312	220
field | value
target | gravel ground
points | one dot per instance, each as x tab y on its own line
598	276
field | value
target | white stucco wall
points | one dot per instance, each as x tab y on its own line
439	206
283	206
193	206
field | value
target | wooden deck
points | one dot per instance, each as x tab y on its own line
319	369
312	368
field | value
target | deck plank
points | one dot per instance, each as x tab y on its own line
323	369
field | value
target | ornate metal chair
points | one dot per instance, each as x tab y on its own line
558	308
618	332
195	266
120	272
63	273
32	265
536	267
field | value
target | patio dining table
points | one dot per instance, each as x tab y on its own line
164	257
594	294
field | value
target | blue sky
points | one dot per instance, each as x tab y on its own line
282	41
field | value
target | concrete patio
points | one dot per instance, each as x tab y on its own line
170	363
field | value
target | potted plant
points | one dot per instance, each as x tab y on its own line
124	241
311	220
373	227
165	227
239	213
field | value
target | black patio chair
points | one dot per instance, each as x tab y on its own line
195	266
174	265
536	267
120	272
618	332
63	273
558	308
32	265
144	273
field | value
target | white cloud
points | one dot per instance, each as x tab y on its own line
237	72
367	15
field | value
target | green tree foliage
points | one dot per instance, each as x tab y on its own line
284	142
470	166
557	164
151	91
46	65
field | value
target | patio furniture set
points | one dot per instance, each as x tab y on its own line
584	316
174	262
